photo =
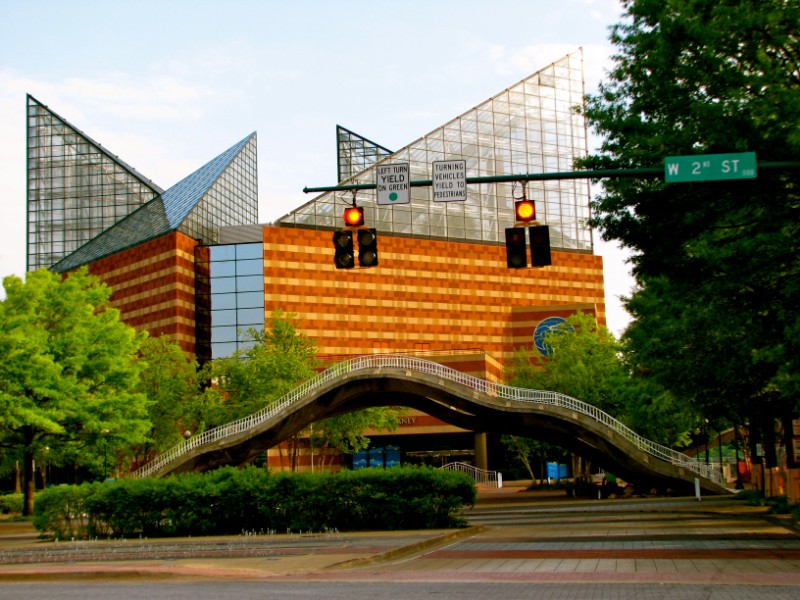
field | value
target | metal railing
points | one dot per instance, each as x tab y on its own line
418	365
482	477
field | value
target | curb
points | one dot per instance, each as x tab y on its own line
409	549
151	570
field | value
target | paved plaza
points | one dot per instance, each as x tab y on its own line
515	537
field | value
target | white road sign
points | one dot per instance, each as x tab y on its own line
449	179
393	183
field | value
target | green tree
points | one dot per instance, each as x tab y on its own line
68	371
276	360
345	433
531	453
717	263
169	381
584	362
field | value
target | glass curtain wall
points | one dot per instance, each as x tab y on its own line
531	127
223	192
234	295
76	189
231	197
356	153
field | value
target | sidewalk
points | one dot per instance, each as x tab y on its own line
25	558
550	538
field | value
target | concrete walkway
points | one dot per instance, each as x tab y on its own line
517	536
24	557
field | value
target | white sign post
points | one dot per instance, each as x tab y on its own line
393	183
449	181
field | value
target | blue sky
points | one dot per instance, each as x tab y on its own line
168	84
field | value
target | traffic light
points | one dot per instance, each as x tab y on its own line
367	247
525	210
540	246
516	249
343	256
353	216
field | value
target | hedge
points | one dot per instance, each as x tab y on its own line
229	501
10	504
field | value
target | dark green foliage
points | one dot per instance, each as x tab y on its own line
62	510
778	505
11	504
229	501
717	264
751	497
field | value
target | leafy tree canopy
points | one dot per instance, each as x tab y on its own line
169	381
345	433
717	263
277	359
69	369
584	362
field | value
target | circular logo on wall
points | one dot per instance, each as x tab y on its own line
544	327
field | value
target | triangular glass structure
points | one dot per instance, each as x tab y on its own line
221	193
531	127
76	188
356	153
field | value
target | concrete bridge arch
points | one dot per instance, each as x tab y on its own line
453	397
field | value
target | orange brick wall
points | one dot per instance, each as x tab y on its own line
153	287
424	295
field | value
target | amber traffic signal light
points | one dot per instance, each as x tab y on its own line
353	216
343	256
525	210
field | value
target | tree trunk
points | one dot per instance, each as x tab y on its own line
523	457
28	482
17	480
294	440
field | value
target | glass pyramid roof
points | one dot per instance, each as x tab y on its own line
531	127
356	153
76	188
223	192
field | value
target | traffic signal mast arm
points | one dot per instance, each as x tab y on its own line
640	173
696	168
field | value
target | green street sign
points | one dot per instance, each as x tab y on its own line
710	167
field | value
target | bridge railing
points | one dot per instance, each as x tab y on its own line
419	365
482	477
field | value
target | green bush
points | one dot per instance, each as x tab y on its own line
779	505
796	512
62	511
230	501
751	497
11	504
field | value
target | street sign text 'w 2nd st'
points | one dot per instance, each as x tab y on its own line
710	167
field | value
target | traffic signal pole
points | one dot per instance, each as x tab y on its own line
637	173
686	169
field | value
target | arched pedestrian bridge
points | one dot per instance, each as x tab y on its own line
453	397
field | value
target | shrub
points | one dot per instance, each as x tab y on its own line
796	512
11	504
779	505
751	497
62	510
229	501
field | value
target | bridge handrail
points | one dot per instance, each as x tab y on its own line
419	365
482	477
